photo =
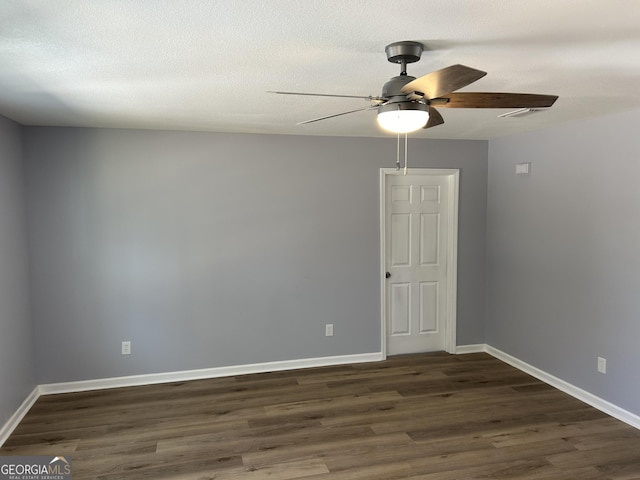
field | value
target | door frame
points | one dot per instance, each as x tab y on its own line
450	321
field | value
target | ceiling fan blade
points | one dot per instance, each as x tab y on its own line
439	83
434	118
497	100
337	115
370	98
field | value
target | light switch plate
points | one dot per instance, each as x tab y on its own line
602	365
523	168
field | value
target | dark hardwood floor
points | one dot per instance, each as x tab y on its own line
427	416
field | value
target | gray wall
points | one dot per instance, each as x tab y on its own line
564	253
17	372
209	250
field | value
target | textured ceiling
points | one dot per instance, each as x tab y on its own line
207	65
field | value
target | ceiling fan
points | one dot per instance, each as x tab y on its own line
408	103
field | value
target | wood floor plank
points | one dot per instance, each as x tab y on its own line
538	469
114	469
418	417
389	471
331	403
582	435
329	448
62	448
500	457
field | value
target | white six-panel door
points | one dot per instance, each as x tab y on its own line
418	248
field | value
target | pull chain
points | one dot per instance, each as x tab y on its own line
398	154
405	154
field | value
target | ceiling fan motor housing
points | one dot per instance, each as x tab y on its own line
393	88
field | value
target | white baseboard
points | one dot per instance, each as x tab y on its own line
596	402
12	423
477	348
216	372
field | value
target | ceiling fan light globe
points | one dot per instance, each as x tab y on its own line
403	121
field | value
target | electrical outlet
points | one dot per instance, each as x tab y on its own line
126	348
328	330
602	365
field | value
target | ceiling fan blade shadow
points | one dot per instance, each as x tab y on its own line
337	115
497	100
441	82
435	118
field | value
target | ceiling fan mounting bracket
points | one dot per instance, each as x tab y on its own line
404	52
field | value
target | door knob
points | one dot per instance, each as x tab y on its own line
387	275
